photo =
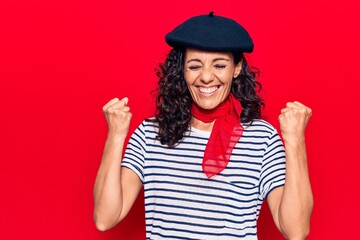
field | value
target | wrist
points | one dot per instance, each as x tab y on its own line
116	138
292	141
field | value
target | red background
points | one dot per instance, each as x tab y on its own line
62	60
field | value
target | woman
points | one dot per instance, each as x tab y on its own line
206	160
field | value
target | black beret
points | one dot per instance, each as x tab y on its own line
211	33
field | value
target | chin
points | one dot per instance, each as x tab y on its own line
208	105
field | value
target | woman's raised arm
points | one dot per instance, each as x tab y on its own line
291	205
116	188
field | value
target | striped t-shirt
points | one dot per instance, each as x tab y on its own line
182	203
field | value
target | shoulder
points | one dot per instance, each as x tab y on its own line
147	127
150	124
259	125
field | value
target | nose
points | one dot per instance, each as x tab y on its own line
207	76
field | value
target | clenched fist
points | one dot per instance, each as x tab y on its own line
293	120
118	116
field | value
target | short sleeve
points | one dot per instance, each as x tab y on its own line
273	167
134	155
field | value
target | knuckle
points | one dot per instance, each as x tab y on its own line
110	110
120	104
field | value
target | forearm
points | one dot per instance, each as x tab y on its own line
107	188
297	200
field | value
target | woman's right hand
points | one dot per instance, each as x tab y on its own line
118	116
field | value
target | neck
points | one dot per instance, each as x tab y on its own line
204	119
198	124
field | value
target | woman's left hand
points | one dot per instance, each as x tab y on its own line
293	120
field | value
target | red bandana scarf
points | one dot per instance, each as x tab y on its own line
225	133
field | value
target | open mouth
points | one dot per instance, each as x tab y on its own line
208	90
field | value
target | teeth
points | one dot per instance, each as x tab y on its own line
208	90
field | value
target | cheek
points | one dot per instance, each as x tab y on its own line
225	78
190	77
188	81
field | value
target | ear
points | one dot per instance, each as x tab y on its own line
237	69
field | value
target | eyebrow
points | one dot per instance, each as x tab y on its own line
194	60
214	60
221	59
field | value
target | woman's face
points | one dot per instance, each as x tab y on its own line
209	76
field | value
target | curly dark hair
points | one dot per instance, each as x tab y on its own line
173	101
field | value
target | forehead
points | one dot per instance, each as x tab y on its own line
206	55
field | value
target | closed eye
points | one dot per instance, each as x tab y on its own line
220	66
194	67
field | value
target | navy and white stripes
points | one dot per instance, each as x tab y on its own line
182	203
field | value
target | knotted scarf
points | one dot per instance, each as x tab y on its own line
224	135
